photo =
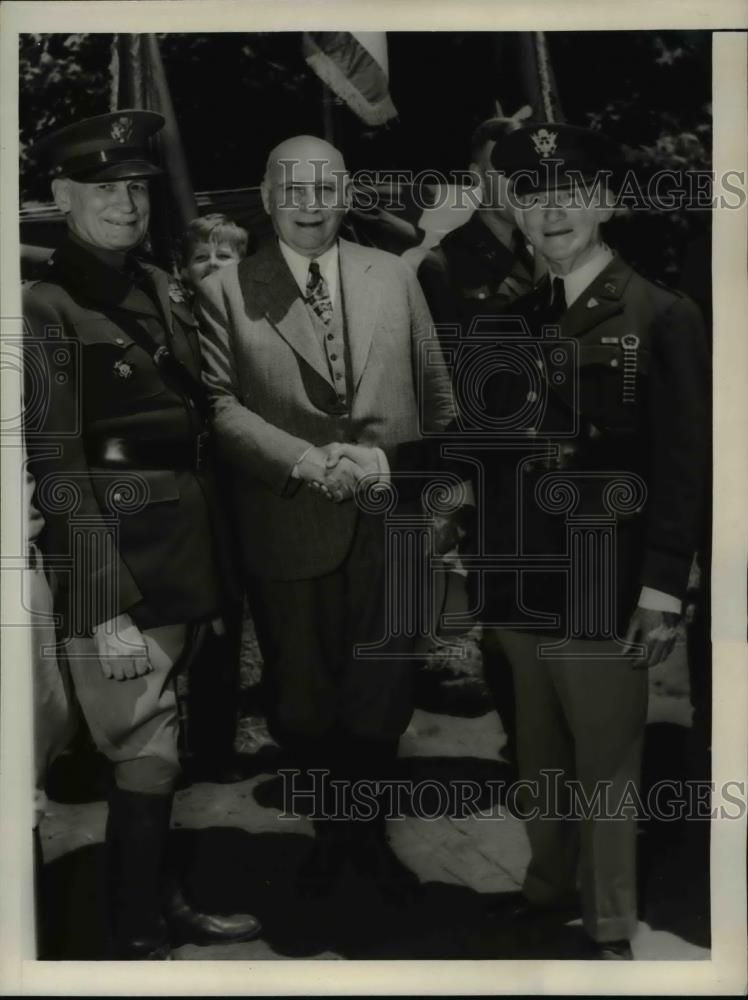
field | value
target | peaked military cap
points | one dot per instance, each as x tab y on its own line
105	148
545	155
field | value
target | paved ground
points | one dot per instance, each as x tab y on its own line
243	856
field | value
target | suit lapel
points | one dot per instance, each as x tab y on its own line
268	287
360	290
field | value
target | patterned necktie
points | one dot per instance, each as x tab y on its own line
317	294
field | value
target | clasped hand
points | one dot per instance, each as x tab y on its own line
334	469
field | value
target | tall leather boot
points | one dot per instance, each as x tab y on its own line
149	911
136	834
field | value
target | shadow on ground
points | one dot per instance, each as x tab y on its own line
231	871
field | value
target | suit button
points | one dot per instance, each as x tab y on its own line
341	397
331	336
333	357
338	375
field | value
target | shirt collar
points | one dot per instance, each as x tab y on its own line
576	281
298	265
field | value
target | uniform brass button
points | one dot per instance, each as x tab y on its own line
532	431
539	363
117	497
614	363
531	396
481	295
120	340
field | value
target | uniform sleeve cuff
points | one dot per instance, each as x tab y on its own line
658	600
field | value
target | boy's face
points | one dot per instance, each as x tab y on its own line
207	258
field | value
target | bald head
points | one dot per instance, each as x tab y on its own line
306	193
303	149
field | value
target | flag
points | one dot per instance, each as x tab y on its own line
353	64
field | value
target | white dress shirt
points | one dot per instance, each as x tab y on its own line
298	265
574	284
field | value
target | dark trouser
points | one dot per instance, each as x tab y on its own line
307	630
328	706
497	671
214	693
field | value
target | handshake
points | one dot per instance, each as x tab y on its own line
334	469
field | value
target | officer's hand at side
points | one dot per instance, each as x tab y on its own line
121	649
657	630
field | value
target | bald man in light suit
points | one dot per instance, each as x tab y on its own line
315	341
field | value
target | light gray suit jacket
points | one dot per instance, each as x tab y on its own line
272	394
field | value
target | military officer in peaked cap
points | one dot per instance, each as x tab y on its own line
117	440
599	490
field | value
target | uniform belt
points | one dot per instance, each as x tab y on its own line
125	453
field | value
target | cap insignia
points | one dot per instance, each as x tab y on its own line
544	142
122	129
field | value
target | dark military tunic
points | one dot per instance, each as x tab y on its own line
472	273
113	441
621	398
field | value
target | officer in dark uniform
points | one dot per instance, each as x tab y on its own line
594	501
480	269
482	266
117	442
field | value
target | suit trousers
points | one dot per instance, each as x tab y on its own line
134	720
307	629
582	718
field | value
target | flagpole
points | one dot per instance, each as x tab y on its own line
139	81
328	114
